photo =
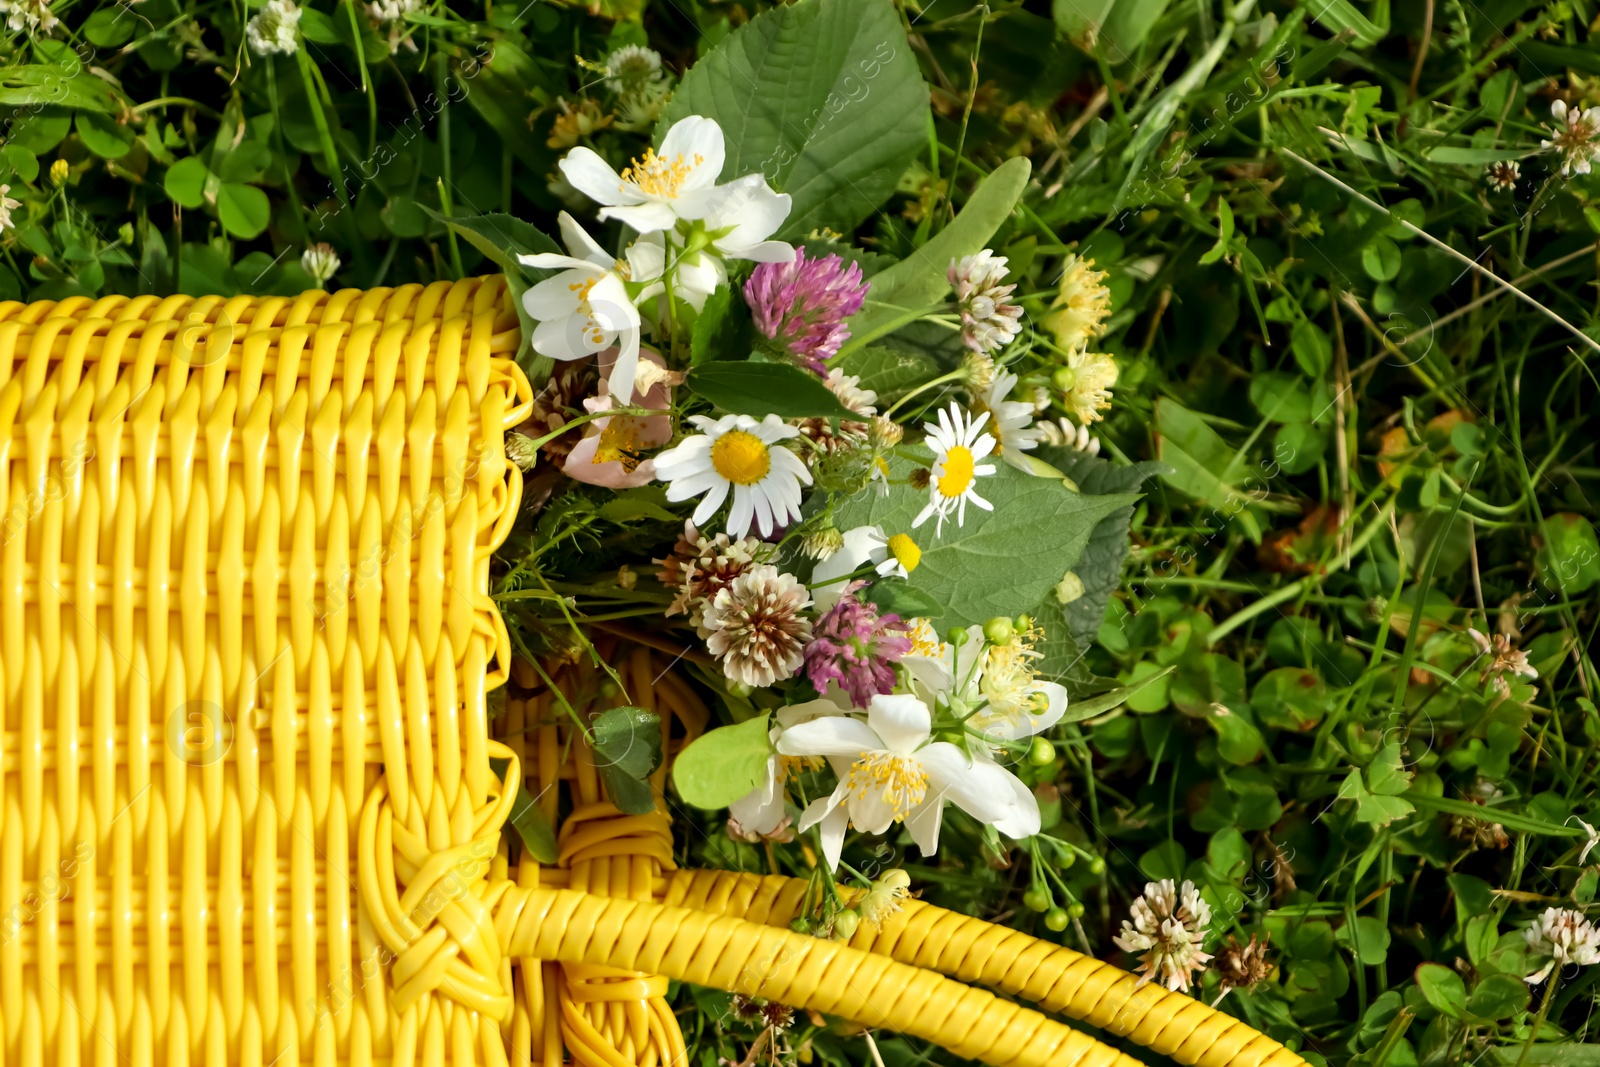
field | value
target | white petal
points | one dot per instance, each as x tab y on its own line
741	513
901	720
761	809
692	137
923	825
579	243
592	176
979	788
708	507
552	298
765	252
832	736
555	338
646	218
623	372
556	261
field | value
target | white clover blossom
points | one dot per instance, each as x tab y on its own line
1564	936
391	16
1575	136
32	16
632	67
756	628
1166	927
7	205
320	261
275	29
988	323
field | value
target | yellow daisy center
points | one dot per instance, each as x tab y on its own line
742	458
899	780
957	474
658	176
905	551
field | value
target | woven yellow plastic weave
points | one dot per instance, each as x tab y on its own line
248	809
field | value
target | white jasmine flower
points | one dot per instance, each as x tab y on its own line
756	628
587	308
859	547
959	447
632	67
743	215
1564	936
1167	927
275	29
761	811
321	262
987	323
1010	421
891	770
995	686
1575	135
737	454
7	205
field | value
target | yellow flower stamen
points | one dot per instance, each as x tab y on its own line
620	442
925	640
900	781
742	458
657	176
956	476
905	551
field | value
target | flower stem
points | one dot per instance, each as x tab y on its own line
954	375
1544	1013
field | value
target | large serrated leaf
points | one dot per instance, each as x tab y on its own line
997	563
823	98
920	279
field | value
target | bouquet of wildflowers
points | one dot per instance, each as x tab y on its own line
867	488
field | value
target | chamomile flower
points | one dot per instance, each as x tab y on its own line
892	771
737	454
1011	421
959	446
863	545
587	308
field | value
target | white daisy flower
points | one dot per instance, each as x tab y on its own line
959	448
737	453
587	307
890	771
1010	421
890	556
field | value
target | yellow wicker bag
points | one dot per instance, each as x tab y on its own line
249	811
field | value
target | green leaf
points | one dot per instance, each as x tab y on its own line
824	99
246	163
1090	707
21	161
724	764
1201	464
1311	348
185	181
537	835
1381	259
65	84
104	136
1372	809
40	132
1080	20
760	389
1341	15
627	750
1506	817
1366	938
317	27
887	371
1386	774
1443	988
722	330
1014	555
919	280
243	209
500	237
1498	996
1571	556
110	27
898	596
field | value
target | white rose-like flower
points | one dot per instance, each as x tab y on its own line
995	684
656	190
587	308
760	811
890	770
